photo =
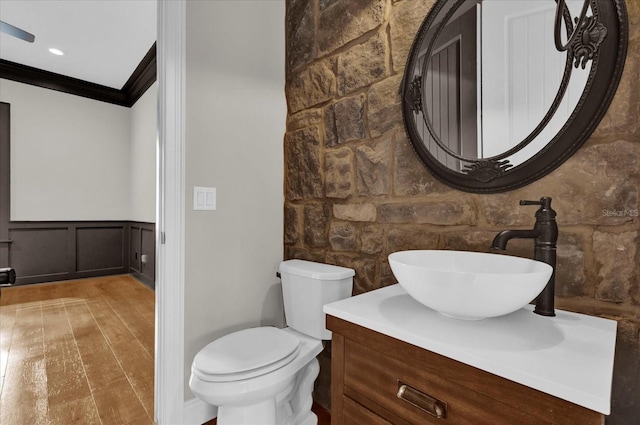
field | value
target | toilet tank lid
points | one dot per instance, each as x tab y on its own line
315	270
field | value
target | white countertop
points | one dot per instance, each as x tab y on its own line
569	356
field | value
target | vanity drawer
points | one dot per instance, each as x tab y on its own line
356	414
375	379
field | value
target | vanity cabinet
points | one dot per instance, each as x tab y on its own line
380	380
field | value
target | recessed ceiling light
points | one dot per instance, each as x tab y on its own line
56	52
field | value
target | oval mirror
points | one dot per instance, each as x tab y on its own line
498	93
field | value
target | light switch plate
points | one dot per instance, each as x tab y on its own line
204	198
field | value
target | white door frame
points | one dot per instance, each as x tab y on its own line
169	341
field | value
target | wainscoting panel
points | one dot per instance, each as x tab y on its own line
40	253
134	251
52	251
143	252
148	249
101	249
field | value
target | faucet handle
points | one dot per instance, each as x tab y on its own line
544	202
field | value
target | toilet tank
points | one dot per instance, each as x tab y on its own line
306	287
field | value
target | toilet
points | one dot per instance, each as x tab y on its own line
265	375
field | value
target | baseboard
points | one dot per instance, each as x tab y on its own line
197	412
144	279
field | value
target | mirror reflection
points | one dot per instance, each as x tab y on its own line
494	85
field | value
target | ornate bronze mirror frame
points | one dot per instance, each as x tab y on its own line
447	114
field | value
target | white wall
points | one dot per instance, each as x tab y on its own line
74	158
142	157
68	155
235	124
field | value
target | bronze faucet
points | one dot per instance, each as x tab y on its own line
545	233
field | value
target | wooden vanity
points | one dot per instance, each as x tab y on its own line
382	379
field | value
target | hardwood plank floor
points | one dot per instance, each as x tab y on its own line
77	352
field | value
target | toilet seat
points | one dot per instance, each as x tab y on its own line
245	354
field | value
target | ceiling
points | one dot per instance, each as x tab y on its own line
103	40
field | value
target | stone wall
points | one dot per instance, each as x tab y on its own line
355	190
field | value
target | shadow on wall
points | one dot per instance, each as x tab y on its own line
273	307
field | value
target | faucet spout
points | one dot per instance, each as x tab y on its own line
501	239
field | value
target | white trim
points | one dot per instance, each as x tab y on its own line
169	354
197	412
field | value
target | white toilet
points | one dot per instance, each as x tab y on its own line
265	375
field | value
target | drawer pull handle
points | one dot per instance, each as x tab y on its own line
422	401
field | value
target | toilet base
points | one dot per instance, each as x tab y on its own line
292	406
262	413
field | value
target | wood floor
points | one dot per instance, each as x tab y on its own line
80	352
77	352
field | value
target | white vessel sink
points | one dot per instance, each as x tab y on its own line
469	285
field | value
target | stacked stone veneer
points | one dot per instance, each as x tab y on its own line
356	191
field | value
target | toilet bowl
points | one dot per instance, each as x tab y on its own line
278	389
265	375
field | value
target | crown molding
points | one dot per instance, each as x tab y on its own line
141	79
